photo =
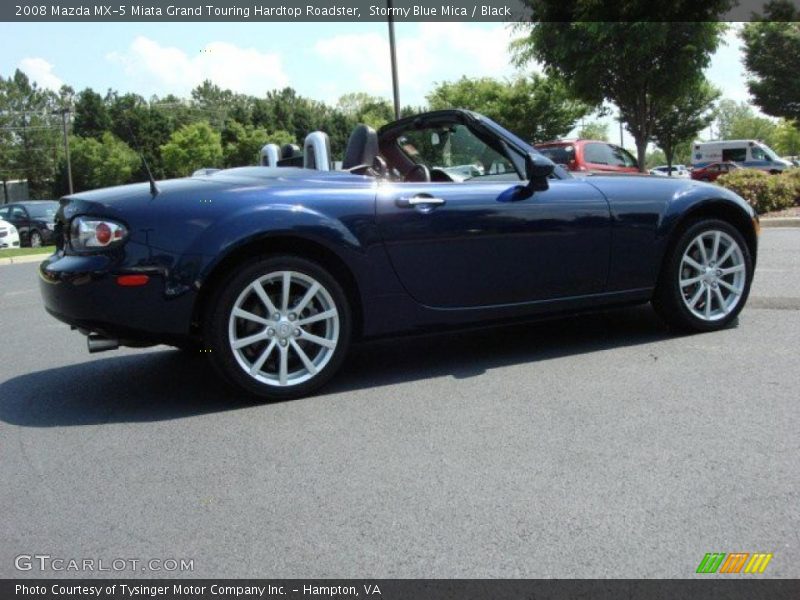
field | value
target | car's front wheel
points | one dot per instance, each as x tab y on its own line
36	239
706	277
279	328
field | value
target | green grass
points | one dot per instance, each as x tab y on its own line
12	252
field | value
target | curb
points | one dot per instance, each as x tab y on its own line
18	260
780	222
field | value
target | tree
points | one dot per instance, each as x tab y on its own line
536	108
241	144
31	133
641	67
771	48
786	140
101	163
91	115
688	115
738	121
594	130
363	108
192	147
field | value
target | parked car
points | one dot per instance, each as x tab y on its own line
675	171
794	160
34	219
589	156
275	271
714	170
745	153
9	237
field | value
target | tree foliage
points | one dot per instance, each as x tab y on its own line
101	163
190	148
738	121
640	66
771	48
536	108
689	114
594	130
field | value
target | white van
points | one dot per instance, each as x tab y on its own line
745	153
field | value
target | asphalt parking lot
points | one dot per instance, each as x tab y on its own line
599	446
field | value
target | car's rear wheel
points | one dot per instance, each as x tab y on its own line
279	328
706	277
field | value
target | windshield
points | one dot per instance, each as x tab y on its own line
766	152
42	210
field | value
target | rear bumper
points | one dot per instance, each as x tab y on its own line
82	291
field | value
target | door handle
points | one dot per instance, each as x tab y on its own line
421	201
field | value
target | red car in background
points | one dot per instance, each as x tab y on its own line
714	170
591	156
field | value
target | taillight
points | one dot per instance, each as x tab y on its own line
91	233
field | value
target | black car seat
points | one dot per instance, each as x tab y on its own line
362	148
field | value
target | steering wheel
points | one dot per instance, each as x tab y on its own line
418	173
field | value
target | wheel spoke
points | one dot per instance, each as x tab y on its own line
708	303
734	269
249	340
263	358
727	254
287	284
702	246
715	249
310	366
312	291
690	281
328	314
721	300
695	299
283	370
262	294
693	263
321	341
243	314
729	287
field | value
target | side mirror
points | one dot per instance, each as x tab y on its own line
537	170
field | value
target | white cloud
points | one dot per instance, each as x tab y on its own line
40	71
434	52
157	69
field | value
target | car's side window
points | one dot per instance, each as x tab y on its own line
456	150
596	153
4	213
19	213
734	154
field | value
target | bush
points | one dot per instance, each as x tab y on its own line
764	192
793	177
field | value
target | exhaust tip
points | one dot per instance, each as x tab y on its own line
98	343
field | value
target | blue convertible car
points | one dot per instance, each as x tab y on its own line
439	220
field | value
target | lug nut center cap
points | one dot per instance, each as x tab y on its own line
284	330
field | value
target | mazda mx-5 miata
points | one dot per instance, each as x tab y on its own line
439	220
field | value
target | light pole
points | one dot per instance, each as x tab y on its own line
64	112
393	55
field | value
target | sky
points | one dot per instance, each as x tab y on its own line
319	60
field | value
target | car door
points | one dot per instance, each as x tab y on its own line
18	216
462	245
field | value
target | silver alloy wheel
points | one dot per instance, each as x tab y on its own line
283	328
712	275
36	240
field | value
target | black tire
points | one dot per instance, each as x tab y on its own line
217	322
35	239
671	302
